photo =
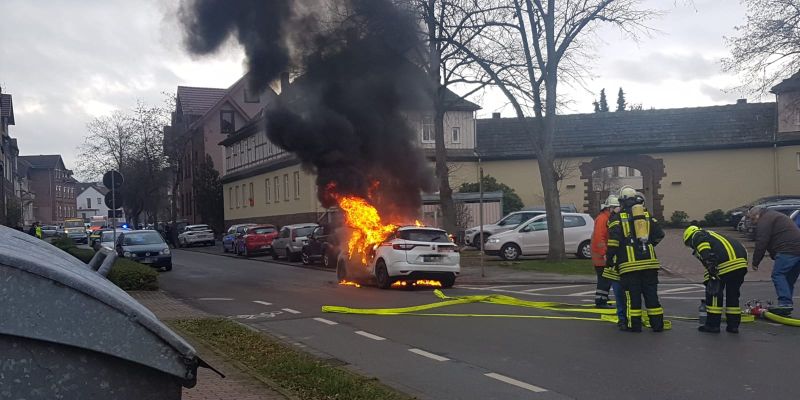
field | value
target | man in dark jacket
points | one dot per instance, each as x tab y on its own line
777	234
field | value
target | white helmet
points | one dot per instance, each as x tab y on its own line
627	192
611	201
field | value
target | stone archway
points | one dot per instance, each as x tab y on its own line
652	171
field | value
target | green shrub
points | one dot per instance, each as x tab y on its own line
715	218
678	218
131	275
84	255
63	243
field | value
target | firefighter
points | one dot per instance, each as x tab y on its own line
725	261
632	237
599	243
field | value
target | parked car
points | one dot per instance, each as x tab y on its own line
256	239
510	221
738	213
146	247
322	246
230	237
796	217
106	238
49	230
410	253
785	208
194	235
531	238
290	241
75	230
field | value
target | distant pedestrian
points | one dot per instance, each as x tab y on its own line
777	234
725	261
32	229
39	230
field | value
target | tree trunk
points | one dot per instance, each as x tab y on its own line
552	204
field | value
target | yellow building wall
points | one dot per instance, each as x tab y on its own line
305	202
789	170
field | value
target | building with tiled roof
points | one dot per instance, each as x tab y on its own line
53	186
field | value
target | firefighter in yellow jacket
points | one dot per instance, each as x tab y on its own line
725	261
632	237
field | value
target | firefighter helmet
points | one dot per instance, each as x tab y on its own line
611	201
688	233
627	192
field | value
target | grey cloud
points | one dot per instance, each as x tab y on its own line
659	67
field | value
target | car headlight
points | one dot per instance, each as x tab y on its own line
493	240
165	251
126	254
305	242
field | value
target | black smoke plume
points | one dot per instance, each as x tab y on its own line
345	113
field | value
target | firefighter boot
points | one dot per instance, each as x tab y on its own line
712	324
635	324
657	322
733	322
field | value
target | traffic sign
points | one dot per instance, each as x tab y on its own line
114	213
113	200
112	180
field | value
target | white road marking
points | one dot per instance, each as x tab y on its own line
326	321
429	355
586	293
262	302
552	288
512	381
773	324
290	311
684	289
369	335
501	287
682	298
587	300
215	299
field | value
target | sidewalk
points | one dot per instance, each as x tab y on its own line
210	386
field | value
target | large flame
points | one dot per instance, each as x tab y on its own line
368	229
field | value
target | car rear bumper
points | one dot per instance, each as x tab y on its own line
259	248
407	269
155	261
198	240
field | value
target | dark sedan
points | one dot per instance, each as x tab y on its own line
146	247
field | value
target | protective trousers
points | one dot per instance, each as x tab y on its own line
729	287
638	284
603	286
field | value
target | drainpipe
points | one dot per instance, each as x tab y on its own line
775	171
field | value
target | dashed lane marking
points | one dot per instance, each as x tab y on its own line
429	355
265	303
683	290
501	287
369	335
512	381
552	288
586	293
290	311
326	321
215	299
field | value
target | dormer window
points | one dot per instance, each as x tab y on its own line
227	123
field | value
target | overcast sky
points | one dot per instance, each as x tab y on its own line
66	62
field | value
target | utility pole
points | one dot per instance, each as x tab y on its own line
480	214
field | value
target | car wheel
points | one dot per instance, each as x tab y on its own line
326	259
585	250
168	268
382	275
341	270
305	258
449	281
224	249
509	252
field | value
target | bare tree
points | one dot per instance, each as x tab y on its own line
526	47
767	47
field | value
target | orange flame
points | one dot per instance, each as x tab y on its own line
349	283
368	229
417	223
419	282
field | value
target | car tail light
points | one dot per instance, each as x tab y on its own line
403	246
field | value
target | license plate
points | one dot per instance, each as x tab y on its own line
431	258
445	249
147	260
266	247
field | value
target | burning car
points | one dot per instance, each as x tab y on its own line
410	253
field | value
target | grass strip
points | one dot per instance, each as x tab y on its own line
301	373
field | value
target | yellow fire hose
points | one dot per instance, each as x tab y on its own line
779	319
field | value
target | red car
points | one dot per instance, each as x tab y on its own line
257	239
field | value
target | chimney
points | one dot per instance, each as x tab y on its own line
496	115
284	81
741	101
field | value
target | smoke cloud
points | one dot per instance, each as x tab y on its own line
344	115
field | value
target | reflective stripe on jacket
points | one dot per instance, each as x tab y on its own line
627	252
711	248
600	238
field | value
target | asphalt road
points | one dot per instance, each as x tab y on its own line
495	358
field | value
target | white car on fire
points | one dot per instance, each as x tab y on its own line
531	238
194	235
410	253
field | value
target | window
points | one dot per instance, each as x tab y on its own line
267	197
227	123
252	195
237	197
456	137
245	200
276	183
99	201
427	128
250	96
630	172
58	191
572	221
230	198
297	185
286	187
88	202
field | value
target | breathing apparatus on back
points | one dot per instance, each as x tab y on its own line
635	202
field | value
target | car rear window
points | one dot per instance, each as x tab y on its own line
572	221
423	235
136	239
304	231
198	228
261	231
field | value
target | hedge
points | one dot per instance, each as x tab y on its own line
84	255
127	274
